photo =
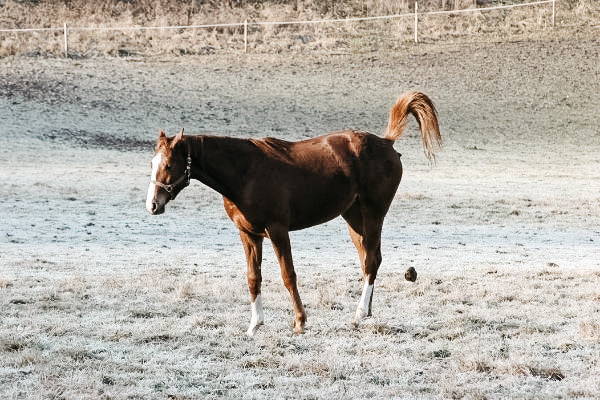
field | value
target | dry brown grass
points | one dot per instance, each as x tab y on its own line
351	36
101	339
590	330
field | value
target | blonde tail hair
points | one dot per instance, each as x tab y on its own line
422	108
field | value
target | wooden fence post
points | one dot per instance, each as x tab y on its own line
66	42
416	23
246	35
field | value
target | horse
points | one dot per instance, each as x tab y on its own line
271	187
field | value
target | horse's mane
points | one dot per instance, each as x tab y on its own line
273	147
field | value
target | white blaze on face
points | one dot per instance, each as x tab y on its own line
364	305
152	188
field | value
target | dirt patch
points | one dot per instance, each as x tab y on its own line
90	140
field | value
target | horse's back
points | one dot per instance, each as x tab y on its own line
315	180
372	157
359	166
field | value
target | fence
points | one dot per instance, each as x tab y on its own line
245	24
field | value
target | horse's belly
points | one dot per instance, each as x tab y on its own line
319	205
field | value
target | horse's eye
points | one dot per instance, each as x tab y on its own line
168	167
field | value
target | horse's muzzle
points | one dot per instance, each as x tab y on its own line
156	208
156	200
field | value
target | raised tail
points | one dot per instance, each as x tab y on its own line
421	106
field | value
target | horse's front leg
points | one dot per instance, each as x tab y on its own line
253	249
281	243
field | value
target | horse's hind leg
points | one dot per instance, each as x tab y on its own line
365	231
253	249
281	243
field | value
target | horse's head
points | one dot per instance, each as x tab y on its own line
171	169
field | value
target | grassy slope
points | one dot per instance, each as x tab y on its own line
507	302
364	36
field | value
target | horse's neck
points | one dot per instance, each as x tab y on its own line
220	163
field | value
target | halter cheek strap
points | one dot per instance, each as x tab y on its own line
185	179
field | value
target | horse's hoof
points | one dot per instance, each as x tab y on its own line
359	316
298	328
252	329
299	323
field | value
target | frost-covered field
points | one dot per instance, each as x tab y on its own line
100	300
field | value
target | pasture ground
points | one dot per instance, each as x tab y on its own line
100	300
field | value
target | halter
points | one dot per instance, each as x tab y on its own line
185	178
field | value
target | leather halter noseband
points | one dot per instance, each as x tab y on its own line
185	178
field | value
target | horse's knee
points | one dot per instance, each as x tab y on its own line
254	283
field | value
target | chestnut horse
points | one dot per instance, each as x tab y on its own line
271	187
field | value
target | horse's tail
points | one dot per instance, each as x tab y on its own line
421	106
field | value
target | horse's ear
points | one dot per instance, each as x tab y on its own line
179	135
160	140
